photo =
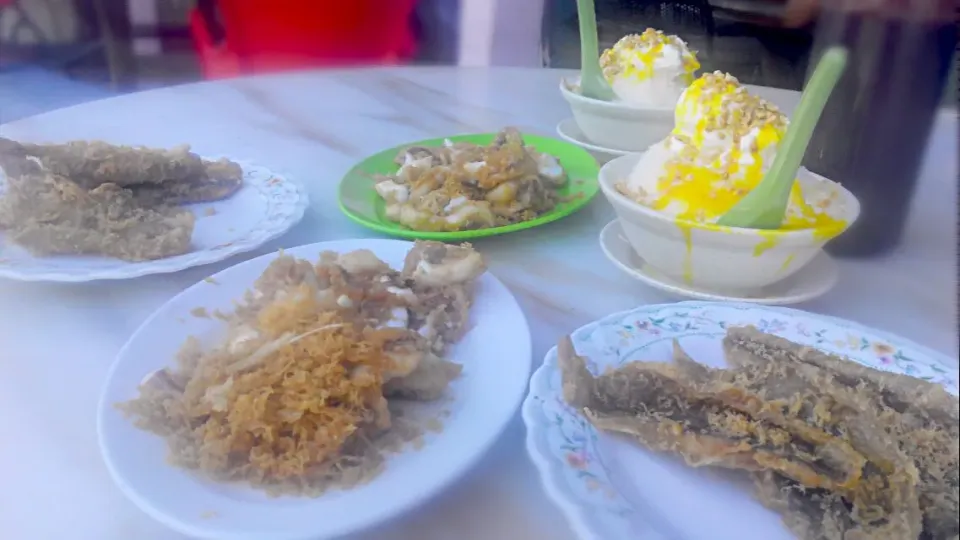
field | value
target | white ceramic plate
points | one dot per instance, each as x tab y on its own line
569	131
611	489
811	281
265	207
495	353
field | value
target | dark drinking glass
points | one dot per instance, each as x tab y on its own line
873	132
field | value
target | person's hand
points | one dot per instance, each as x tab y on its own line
800	12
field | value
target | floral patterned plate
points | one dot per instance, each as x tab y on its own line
610	488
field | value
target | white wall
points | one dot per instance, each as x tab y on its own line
501	32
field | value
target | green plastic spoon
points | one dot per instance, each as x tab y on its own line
592	83
765	206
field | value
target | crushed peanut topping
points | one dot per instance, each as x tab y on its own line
634	55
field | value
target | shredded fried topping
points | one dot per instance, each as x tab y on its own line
294	400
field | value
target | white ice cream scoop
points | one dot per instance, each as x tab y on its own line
650	69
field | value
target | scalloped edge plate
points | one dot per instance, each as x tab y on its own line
565	447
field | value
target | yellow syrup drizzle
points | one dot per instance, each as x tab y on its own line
707	190
647	58
768	240
786	263
829	229
704	199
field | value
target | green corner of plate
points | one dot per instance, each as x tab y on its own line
359	201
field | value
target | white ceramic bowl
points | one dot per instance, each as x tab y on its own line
721	259
615	125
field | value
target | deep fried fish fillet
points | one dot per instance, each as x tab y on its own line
220	180
157	176
92	163
935	454
49	214
730	419
917	414
921	400
807	402
654	403
783	423
812	514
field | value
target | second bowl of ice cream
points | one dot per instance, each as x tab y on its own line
669	198
647	73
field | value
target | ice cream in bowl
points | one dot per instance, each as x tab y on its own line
647	73
670	197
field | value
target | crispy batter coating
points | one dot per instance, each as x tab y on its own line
842	453
49	214
920	416
90	197
295	398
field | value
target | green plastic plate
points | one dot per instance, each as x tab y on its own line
360	202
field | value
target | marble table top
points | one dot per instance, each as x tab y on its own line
56	341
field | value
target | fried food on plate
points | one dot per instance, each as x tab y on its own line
922	401
711	419
48	214
303	393
460	186
839	459
94	198
920	416
93	163
174	176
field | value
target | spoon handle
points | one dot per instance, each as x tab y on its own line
765	206
805	118
592	83
589	46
